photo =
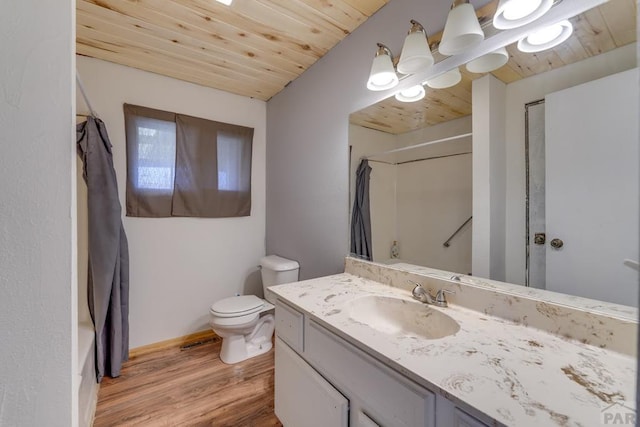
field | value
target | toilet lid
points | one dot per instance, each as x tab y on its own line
237	306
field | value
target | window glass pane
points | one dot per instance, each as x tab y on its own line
231	176
156	159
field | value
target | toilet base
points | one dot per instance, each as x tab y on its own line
236	348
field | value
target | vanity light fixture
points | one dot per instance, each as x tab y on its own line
412	94
443	81
416	54
382	76
516	13
546	37
462	30
489	62
225	2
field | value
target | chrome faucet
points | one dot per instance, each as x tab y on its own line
421	294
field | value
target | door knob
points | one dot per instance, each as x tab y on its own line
557	243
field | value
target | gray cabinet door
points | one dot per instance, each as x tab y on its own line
302	397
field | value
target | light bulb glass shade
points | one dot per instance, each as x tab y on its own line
518	9
412	94
516	13
489	62
443	81
462	30
416	55
226	2
546	38
382	76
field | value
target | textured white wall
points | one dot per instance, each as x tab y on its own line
180	266
37	242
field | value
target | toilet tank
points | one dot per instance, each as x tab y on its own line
277	271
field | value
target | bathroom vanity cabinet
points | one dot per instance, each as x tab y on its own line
323	380
368	354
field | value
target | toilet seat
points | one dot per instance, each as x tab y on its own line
236	311
234	322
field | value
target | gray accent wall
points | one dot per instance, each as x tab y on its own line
307	140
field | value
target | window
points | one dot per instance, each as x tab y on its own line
230	164
179	165
156	155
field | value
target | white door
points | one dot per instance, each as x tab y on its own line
592	189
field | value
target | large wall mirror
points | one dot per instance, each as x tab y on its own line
568	210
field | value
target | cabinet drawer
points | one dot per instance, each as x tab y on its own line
384	394
290	325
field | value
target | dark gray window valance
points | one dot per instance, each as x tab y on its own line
179	165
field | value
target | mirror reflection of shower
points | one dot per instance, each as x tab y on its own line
419	192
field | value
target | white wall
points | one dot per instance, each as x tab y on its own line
37	241
517	95
488	252
180	266
434	199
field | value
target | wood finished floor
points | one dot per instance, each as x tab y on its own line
189	387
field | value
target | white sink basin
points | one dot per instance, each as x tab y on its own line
395	316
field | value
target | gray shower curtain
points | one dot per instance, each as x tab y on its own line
361	216
108	250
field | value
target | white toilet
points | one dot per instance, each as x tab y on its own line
244	323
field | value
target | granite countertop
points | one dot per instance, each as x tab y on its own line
514	374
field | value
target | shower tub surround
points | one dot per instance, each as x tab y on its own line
521	357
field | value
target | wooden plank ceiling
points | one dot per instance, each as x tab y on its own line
609	26
252	48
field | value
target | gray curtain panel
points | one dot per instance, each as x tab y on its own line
361	245
143	203
108	250
205	150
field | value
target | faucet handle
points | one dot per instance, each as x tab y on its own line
421	294
418	290
441	300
